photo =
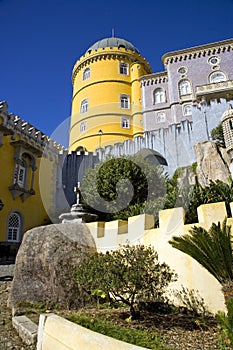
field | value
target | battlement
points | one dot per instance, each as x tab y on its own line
140	230
153	79
13	125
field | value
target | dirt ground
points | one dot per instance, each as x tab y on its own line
182	332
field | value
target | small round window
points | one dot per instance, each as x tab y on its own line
182	70
214	60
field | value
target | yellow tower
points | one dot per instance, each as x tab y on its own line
106	104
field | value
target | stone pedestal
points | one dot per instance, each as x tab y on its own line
78	213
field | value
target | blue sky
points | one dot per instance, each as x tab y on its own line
41	40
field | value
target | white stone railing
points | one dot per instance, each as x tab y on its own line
214	87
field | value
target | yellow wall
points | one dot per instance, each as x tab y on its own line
32	209
103	90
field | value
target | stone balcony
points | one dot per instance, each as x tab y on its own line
222	89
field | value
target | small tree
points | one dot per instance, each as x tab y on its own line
131	274
124	186
218	136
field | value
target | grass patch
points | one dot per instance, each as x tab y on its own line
144	338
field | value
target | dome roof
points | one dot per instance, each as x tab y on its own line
228	113
112	42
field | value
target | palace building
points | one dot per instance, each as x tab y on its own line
119	107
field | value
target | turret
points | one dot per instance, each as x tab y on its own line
106	104
227	125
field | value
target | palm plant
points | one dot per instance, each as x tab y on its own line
213	250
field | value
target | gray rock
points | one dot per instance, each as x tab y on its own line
212	163
45	264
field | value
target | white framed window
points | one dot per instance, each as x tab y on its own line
83	126
185	87
125	123
159	95
124	68
161	117
84	106
14	227
124	101
217	77
187	110
86	73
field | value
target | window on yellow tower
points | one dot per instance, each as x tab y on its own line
124	102
83	126
125	123
86	73
84	106
124	68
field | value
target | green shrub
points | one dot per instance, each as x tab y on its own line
225	323
130	274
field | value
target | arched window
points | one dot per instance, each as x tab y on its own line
84	106
14	227
217	77
187	110
185	87
86	73
159	95
124	102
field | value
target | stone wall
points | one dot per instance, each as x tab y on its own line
58	333
140	230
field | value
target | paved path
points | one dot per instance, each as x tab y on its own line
9	339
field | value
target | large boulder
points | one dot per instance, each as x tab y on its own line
46	262
212	163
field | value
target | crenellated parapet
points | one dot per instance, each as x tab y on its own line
197	52
157	143
21	130
153	79
140	230
109	53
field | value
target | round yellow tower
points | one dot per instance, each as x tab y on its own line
106	104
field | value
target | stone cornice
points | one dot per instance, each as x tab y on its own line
113	53
155	78
197	51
